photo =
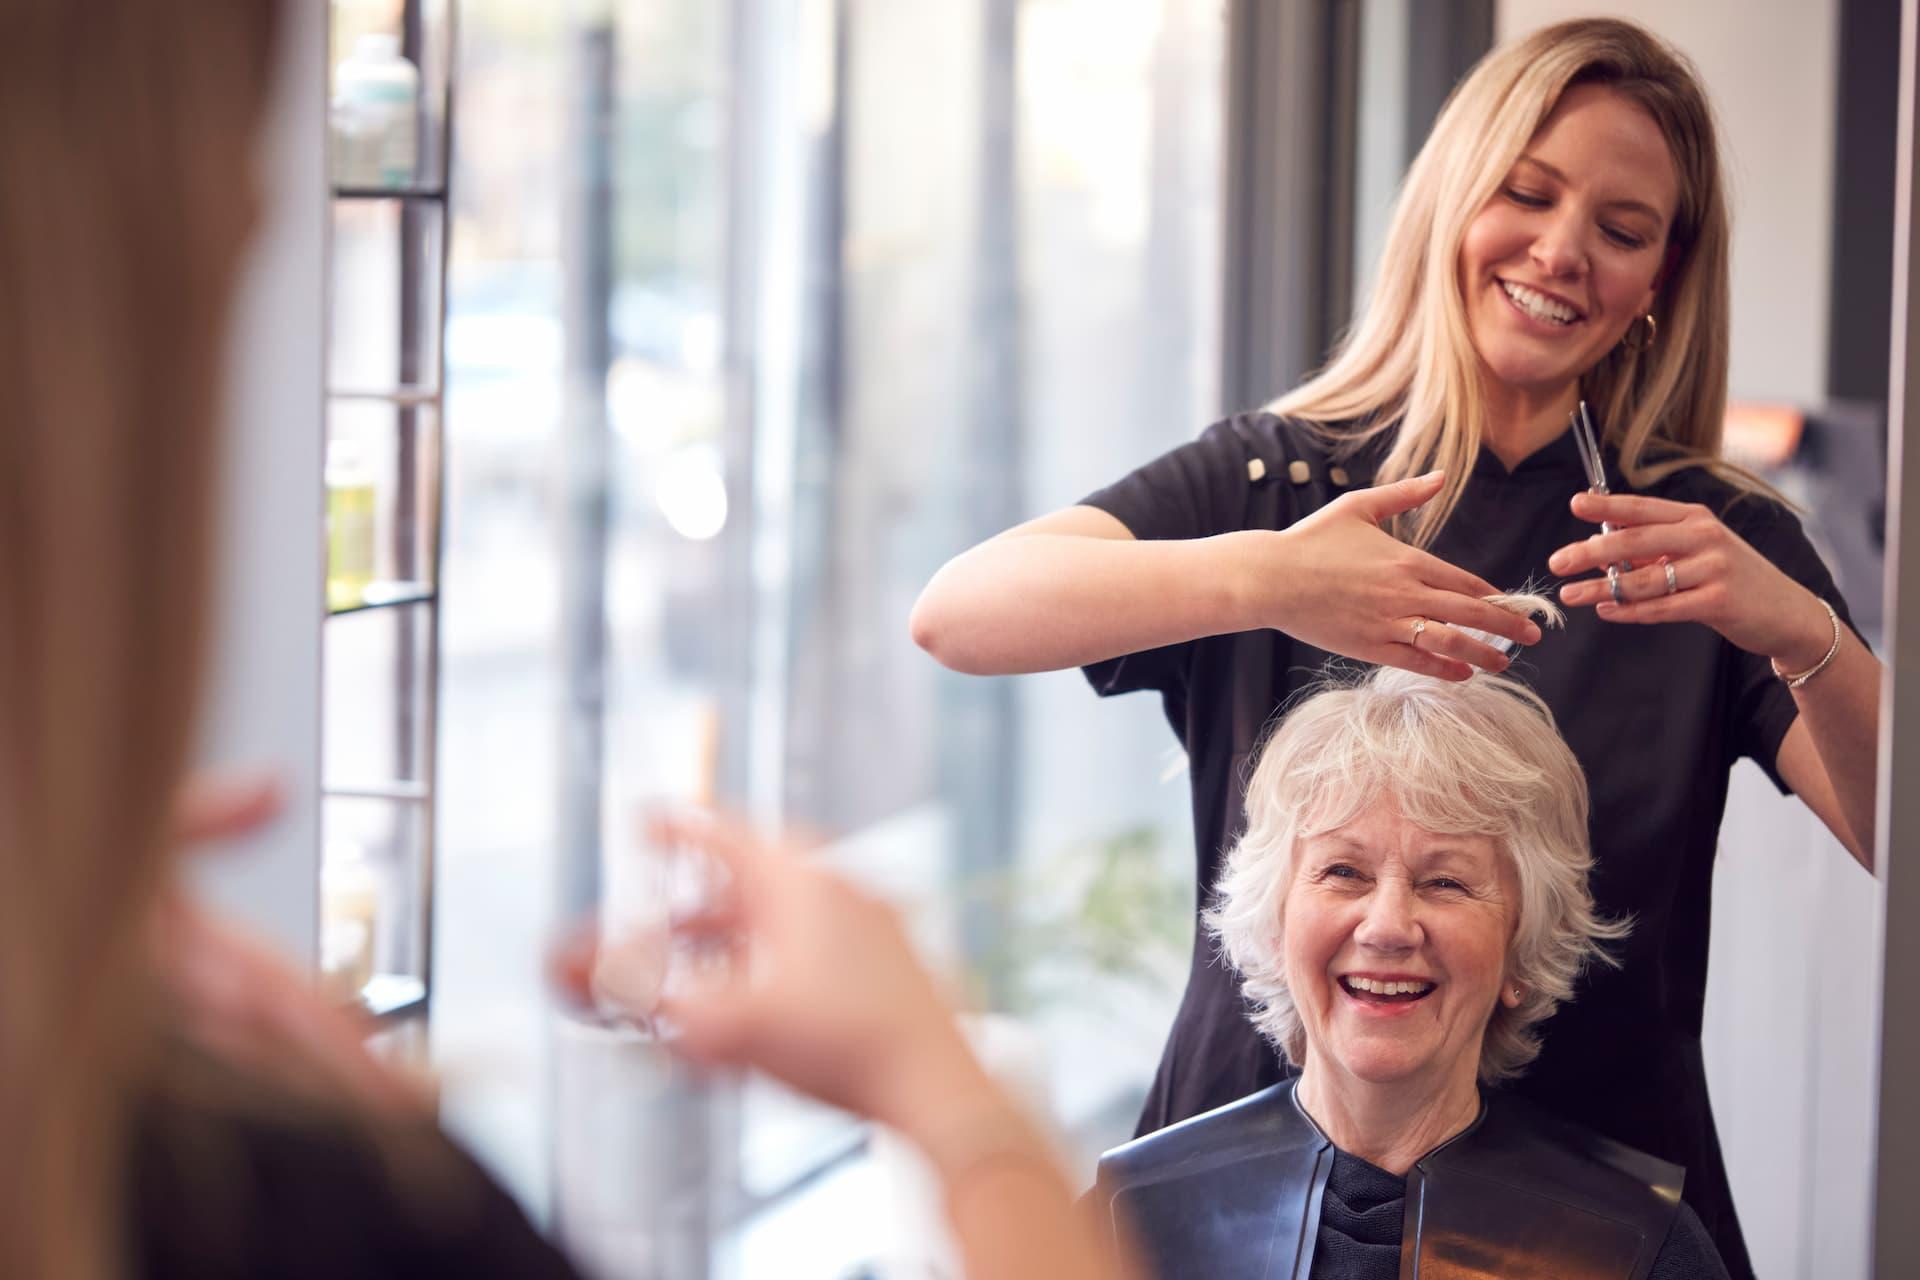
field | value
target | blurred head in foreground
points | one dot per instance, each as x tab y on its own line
127	195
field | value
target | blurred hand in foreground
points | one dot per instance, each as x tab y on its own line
237	998
824	993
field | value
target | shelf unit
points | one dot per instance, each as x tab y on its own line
386	300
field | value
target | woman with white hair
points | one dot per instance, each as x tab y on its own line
1562	237
1408	904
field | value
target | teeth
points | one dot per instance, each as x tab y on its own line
1539	305
1373	987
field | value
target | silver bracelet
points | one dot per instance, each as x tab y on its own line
1795	681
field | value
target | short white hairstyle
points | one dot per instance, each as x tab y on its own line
1478	757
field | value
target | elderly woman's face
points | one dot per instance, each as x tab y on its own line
1396	944
1568	252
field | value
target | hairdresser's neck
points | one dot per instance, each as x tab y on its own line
1522	420
1388	1125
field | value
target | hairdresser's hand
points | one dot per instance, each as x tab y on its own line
1718	579
235	997
1355	590
215	807
827	995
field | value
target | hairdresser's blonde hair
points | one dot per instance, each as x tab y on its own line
126	143
1409	365
1479	757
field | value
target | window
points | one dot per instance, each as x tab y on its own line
866	283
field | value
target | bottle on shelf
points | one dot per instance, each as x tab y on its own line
375	116
349	909
350	501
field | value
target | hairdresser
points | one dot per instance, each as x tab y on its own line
1562	236
172	1101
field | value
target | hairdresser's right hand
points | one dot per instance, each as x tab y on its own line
1353	589
828	996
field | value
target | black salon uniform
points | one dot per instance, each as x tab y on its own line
1657	715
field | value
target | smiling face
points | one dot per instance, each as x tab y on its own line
1396	945
1568	251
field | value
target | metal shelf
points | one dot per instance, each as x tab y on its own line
400	792
388	997
413	387
435	194
403	397
415	594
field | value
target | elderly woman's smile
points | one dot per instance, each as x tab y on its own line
1396	943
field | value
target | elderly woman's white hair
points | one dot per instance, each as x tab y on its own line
1481	757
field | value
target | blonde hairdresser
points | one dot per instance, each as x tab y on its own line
196	1110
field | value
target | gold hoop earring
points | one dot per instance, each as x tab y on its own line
1653	333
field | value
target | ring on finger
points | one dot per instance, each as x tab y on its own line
1613	584
1673	575
1419	626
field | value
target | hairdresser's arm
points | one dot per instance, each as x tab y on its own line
1829	756
1721	581
829	998
234	996
1075	587
1011	1209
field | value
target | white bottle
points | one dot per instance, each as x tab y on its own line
349	913
376	115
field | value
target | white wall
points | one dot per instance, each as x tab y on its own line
1791	997
264	690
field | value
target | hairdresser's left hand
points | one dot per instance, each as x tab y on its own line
826	994
234	996
1722	582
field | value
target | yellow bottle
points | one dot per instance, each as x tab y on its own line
349	525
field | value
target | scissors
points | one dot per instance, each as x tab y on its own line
1589	446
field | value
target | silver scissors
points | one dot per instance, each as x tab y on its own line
1589	446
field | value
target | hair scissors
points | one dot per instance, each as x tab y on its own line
1589	446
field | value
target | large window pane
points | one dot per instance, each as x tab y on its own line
873	281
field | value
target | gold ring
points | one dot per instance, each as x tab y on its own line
1673	578
1419	625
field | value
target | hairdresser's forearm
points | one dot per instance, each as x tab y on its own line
1043	602
1009	1204
1841	710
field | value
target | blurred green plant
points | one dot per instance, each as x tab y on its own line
1111	908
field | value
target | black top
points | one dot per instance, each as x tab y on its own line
1360	1217
251	1185
1657	715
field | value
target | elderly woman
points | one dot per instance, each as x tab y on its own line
1408	904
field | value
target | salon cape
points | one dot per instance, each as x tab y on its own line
1236	1193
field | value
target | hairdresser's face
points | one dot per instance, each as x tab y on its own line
1396	943
1568	251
